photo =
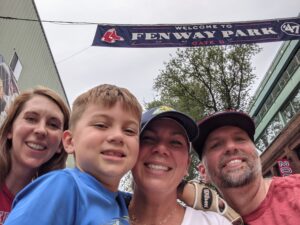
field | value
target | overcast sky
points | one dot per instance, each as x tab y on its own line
82	66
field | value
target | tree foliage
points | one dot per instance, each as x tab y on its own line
199	81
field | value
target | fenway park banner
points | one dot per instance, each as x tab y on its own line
193	35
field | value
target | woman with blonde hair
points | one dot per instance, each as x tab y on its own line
30	142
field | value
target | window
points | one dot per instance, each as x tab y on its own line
278	122
288	113
292	107
269	101
283	80
16	65
261	145
298	55
292	66
296	101
276	91
273	129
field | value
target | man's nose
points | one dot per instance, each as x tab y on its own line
230	147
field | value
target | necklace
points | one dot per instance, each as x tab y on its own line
135	221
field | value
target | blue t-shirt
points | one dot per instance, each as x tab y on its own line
68	197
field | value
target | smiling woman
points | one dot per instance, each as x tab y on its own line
30	142
165	145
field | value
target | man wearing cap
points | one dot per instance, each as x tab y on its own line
163	161
230	162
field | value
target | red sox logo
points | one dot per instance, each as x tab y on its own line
111	36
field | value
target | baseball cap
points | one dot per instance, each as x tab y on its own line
220	119
184	120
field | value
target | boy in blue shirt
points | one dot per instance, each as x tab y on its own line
103	135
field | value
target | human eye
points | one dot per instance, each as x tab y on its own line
55	124
214	145
177	143
147	139
241	141
31	118
241	138
131	131
100	125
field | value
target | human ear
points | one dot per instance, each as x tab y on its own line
68	143
9	134
188	166
202	171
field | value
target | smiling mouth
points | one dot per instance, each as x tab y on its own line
234	162
114	153
36	147
157	167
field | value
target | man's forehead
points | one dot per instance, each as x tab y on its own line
225	131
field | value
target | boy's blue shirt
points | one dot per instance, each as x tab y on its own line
68	197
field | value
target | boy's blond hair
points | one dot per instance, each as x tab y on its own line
106	95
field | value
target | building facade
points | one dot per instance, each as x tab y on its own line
276	111
24	50
24	47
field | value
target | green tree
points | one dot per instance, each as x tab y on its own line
153	104
199	81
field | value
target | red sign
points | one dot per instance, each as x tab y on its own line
284	167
